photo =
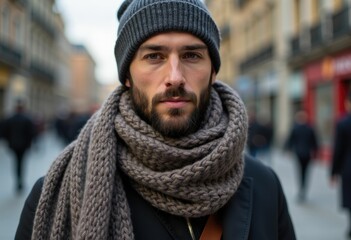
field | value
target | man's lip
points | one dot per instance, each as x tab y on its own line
176	99
176	102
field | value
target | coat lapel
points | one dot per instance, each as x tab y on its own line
236	215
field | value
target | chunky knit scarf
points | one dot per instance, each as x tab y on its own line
83	195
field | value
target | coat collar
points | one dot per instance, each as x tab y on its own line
236	215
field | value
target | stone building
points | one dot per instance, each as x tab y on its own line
84	91
320	62
283	56
254	52
29	30
39	65
13	25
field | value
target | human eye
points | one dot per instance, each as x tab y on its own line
192	56
153	56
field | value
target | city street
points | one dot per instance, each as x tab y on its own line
318	219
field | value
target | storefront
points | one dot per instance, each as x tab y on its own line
327	83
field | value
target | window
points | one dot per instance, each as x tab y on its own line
5	22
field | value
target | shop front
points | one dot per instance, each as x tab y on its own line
327	83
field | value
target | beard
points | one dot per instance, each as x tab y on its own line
179	122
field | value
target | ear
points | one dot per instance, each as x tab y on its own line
127	83
213	76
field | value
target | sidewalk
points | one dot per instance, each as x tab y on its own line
318	219
37	163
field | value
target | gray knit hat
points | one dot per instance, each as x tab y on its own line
141	19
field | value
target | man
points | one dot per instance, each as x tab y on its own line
302	141
164	155
254	139
19	132
341	163
260	137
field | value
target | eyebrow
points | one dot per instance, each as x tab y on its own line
195	47
155	47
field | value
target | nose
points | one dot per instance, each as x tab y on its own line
175	75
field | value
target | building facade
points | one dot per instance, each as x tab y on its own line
28	56
320	43
286	56
42	56
63	69
255	52
39	65
13	24
84	91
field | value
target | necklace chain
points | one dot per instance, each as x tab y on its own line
190	228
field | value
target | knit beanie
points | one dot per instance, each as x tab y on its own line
141	19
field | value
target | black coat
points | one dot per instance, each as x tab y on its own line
342	158
19	131
258	210
302	140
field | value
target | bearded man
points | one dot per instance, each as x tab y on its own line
164	157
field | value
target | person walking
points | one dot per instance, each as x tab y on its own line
260	138
302	141
164	156
255	139
19	132
341	159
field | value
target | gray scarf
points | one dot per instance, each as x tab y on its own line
83	195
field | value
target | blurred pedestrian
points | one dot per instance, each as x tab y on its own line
59	125
163	157
341	162
264	152
65	127
255	138
19	132
302	140
260	138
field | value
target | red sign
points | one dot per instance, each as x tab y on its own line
329	67
342	65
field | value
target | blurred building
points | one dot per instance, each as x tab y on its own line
320	44
222	12
13	47
254	53
41	56
63	69
85	89
38	63
28	55
107	89
282	56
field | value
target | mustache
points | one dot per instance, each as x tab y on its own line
174	92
